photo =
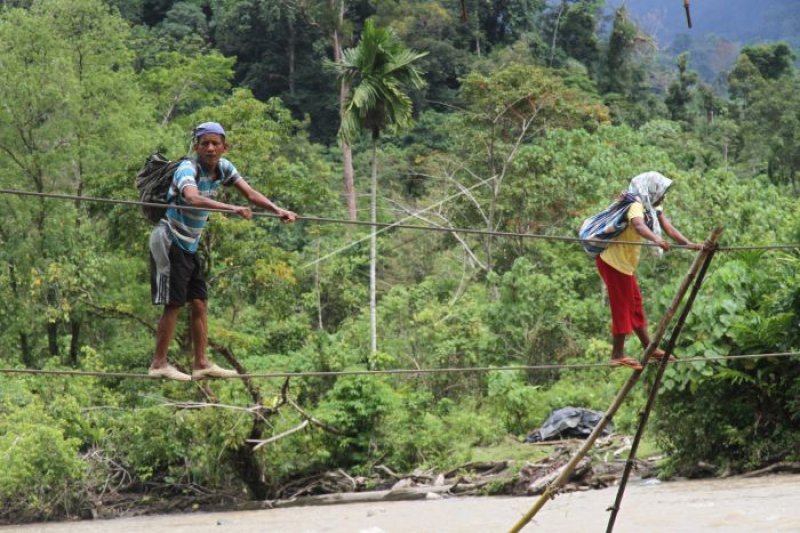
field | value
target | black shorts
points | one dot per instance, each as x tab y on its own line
176	276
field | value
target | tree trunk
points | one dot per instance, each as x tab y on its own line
24	345
347	151
349	182
25	348
373	255
318	285
246	465
555	34
52	338
74	343
243	457
292	52
491	215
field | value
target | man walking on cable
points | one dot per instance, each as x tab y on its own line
176	277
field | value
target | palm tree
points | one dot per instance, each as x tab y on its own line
377	71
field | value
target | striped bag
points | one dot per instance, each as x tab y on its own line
598	230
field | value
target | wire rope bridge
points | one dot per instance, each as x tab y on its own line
691	284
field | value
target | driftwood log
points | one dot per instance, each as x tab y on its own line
473	478
401	494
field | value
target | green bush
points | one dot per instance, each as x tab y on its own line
513	402
42	470
439	435
356	406
154	442
726	426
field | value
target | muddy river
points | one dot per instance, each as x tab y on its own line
768	504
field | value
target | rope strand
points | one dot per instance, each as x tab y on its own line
386	225
394	371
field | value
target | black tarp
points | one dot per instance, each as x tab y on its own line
569	422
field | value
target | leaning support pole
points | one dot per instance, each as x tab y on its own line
688	13
651	397
552	489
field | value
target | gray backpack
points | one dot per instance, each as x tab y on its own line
153	182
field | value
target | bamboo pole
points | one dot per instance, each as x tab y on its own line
651	397
688	13
551	491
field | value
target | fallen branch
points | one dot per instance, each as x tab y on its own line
386	470
256	409
783	466
316	421
105	311
539	485
486	467
286	433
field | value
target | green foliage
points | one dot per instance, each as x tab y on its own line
42	470
528	328
772	61
771	129
621	46
433	27
153	441
440	435
531	118
179	86
575	28
520	96
356	406
748	405
746	420
745	78
513	401
679	93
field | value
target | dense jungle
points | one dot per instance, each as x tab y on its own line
510	117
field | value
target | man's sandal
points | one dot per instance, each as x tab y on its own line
168	372
213	371
629	362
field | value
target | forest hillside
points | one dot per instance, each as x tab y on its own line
488	131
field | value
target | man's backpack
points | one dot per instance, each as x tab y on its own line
153	182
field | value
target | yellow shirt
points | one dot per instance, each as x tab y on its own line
625	257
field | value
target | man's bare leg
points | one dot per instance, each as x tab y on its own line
164	333
203	368
160	367
200	333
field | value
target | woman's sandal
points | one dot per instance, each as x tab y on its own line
629	362
658	355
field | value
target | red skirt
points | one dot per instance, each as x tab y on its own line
627	313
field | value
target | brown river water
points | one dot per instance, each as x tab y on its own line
768	504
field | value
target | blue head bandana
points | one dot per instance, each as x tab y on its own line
208	127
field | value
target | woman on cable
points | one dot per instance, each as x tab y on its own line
617	263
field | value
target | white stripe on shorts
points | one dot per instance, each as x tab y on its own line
159	248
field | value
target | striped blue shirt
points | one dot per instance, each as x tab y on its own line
186	226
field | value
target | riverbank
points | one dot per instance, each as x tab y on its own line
730	505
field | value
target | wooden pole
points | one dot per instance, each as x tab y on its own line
651	398
551	491
688	13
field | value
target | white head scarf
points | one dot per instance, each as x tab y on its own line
649	188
